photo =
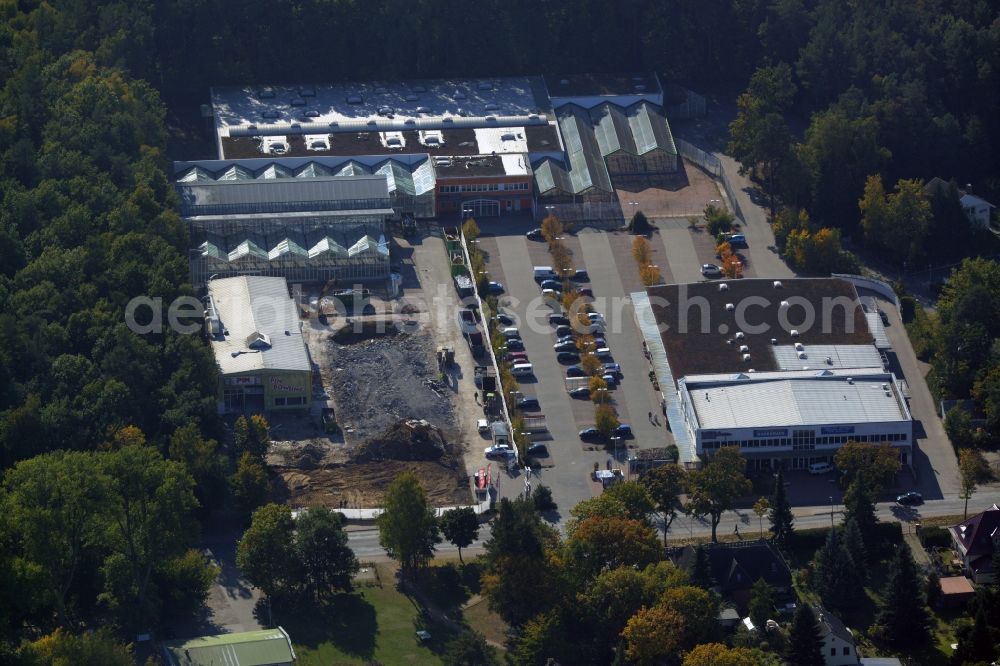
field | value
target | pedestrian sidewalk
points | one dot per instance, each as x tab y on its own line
917	548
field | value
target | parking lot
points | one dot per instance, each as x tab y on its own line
510	260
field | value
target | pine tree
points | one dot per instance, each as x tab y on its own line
781	512
855	544
859	505
835	577
701	572
761	603
902	615
804	646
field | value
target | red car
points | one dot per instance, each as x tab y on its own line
517	357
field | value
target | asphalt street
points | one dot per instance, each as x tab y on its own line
364	540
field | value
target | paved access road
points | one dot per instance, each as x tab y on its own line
936	466
364	540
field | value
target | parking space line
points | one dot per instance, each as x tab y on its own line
635	391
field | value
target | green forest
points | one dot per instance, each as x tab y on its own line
111	451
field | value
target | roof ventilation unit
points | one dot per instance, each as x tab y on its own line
794	333
798	346
774	341
723	286
777	284
850	380
746	357
783	305
740	335
802	354
829	360
730	307
744	349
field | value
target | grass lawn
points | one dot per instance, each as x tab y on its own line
373	623
480	618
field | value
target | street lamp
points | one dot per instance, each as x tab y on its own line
615	439
831	511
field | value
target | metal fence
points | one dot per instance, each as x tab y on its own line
693	106
713	165
604	215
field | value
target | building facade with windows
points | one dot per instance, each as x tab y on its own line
788	371
255	332
794	419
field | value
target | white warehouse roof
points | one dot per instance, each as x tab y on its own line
776	399
256	308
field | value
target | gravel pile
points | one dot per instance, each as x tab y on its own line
378	383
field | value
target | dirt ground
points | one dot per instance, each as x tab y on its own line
689	192
373	383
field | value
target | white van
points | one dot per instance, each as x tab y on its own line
544	273
522	370
820	468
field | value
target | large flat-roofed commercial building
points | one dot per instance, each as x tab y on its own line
481	135
801	417
494	145
255	333
787	370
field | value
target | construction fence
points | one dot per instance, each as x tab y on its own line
713	166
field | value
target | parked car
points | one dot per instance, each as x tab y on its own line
552	284
535	235
575	371
624	431
483	426
820	468
566	338
538	449
911	498
551	293
498	451
581	275
494	287
580	392
564	330
568	357
738	240
587	292
610	380
515	357
595	317
515	344
529	404
591	435
613	368
505	319
511	332
568	346
710	270
556	319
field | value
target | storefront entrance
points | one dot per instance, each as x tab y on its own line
480	208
